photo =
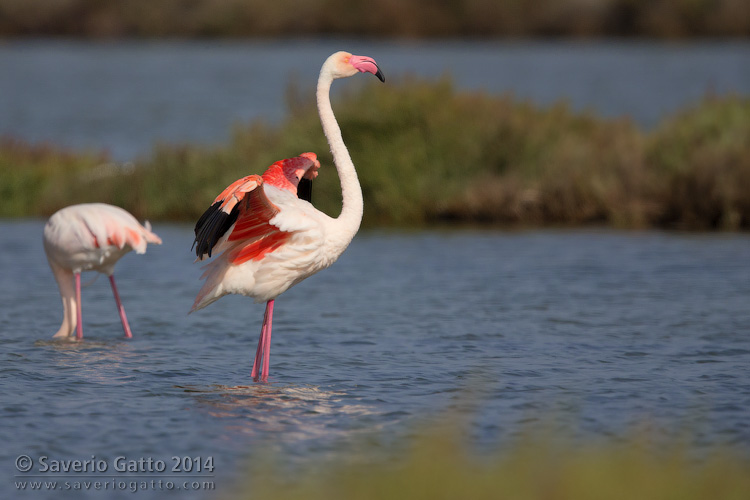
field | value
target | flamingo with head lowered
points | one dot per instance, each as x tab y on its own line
90	237
269	238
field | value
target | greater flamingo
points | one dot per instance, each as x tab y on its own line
90	237
271	239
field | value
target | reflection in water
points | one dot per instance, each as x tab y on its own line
290	413
97	361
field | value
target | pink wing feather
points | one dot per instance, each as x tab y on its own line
110	226
253	232
241	214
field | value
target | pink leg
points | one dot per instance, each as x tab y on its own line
120	309
259	352
263	352
267	344
79	317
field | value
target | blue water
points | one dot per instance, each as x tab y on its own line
126	96
594	333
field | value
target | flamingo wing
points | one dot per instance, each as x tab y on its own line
256	232
242	214
85	236
111	226
218	221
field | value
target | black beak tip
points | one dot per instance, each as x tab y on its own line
380	75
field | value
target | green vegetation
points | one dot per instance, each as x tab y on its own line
403	18
437	468
429	154
36	179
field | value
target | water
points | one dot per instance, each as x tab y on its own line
594	333
126	96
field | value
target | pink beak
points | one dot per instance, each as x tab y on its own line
366	64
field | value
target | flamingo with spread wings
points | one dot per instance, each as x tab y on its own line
90	237
269	238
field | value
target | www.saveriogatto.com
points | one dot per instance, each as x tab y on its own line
121	473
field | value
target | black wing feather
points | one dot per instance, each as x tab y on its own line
304	189
212	225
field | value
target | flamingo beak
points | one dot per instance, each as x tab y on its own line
367	64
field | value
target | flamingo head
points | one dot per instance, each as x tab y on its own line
343	64
309	170
287	173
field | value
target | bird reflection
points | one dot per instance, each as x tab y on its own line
96	361
295	412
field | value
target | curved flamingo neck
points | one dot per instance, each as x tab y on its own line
352	208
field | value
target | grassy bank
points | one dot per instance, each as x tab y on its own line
438	467
405	18
428	154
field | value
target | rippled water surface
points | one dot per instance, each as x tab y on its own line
591	331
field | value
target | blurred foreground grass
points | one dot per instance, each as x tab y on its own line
438	467
427	154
